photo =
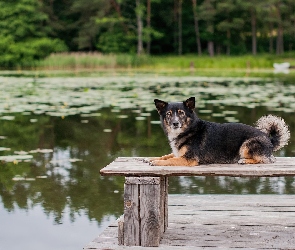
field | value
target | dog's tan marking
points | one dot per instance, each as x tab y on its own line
181	113
244	151
171	160
182	151
257	159
164	157
175	161
248	158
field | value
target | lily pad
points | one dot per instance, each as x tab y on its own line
41	177
4	149
12	158
140	118
7	117
44	151
122	116
155	122
74	160
21	152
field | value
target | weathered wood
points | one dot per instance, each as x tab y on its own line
221	221
121	230
131	215
162	204
143	180
150	215
143	211
130	166
166	184
146	199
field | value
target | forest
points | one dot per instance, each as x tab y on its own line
30	30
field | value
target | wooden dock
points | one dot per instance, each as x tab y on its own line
135	166
220	221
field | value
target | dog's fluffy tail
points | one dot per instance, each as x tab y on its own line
276	128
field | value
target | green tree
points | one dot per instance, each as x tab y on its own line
279	19
230	11
149	32
88	12
252	9
61	20
208	14
117	29
288	23
31	29
23	33
139	23
196	23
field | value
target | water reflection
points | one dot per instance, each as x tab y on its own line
35	231
62	179
69	175
230	185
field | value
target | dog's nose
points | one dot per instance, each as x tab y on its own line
175	124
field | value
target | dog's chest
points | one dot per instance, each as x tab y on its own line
174	149
172	142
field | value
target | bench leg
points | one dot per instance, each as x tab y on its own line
165	199
145	211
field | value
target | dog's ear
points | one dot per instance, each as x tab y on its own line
160	105
190	103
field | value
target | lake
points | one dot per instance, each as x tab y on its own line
57	133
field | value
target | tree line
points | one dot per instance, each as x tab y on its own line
32	29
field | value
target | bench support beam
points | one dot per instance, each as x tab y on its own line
145	211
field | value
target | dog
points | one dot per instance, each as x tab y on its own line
194	141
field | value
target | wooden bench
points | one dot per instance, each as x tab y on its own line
145	216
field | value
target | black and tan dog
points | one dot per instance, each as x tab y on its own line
194	141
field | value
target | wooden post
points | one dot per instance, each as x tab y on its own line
166	184
131	214
145	210
121	230
150	213
164	203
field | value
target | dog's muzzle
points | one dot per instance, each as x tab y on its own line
176	125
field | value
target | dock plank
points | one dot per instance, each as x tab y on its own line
220	221
135	166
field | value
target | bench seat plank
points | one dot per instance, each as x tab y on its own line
135	166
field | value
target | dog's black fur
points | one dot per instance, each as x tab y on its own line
194	141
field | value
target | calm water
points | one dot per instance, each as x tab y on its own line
60	132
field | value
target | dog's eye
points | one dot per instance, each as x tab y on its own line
169	114
181	113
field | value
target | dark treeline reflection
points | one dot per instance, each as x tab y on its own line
67	176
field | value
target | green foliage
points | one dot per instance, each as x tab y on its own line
116	42
23	34
28	52
31	29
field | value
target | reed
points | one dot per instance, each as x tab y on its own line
95	60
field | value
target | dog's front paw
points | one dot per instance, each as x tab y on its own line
242	161
272	159
155	163
146	160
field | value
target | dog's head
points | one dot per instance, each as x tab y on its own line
176	116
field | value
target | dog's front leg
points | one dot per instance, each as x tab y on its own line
175	161
164	157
